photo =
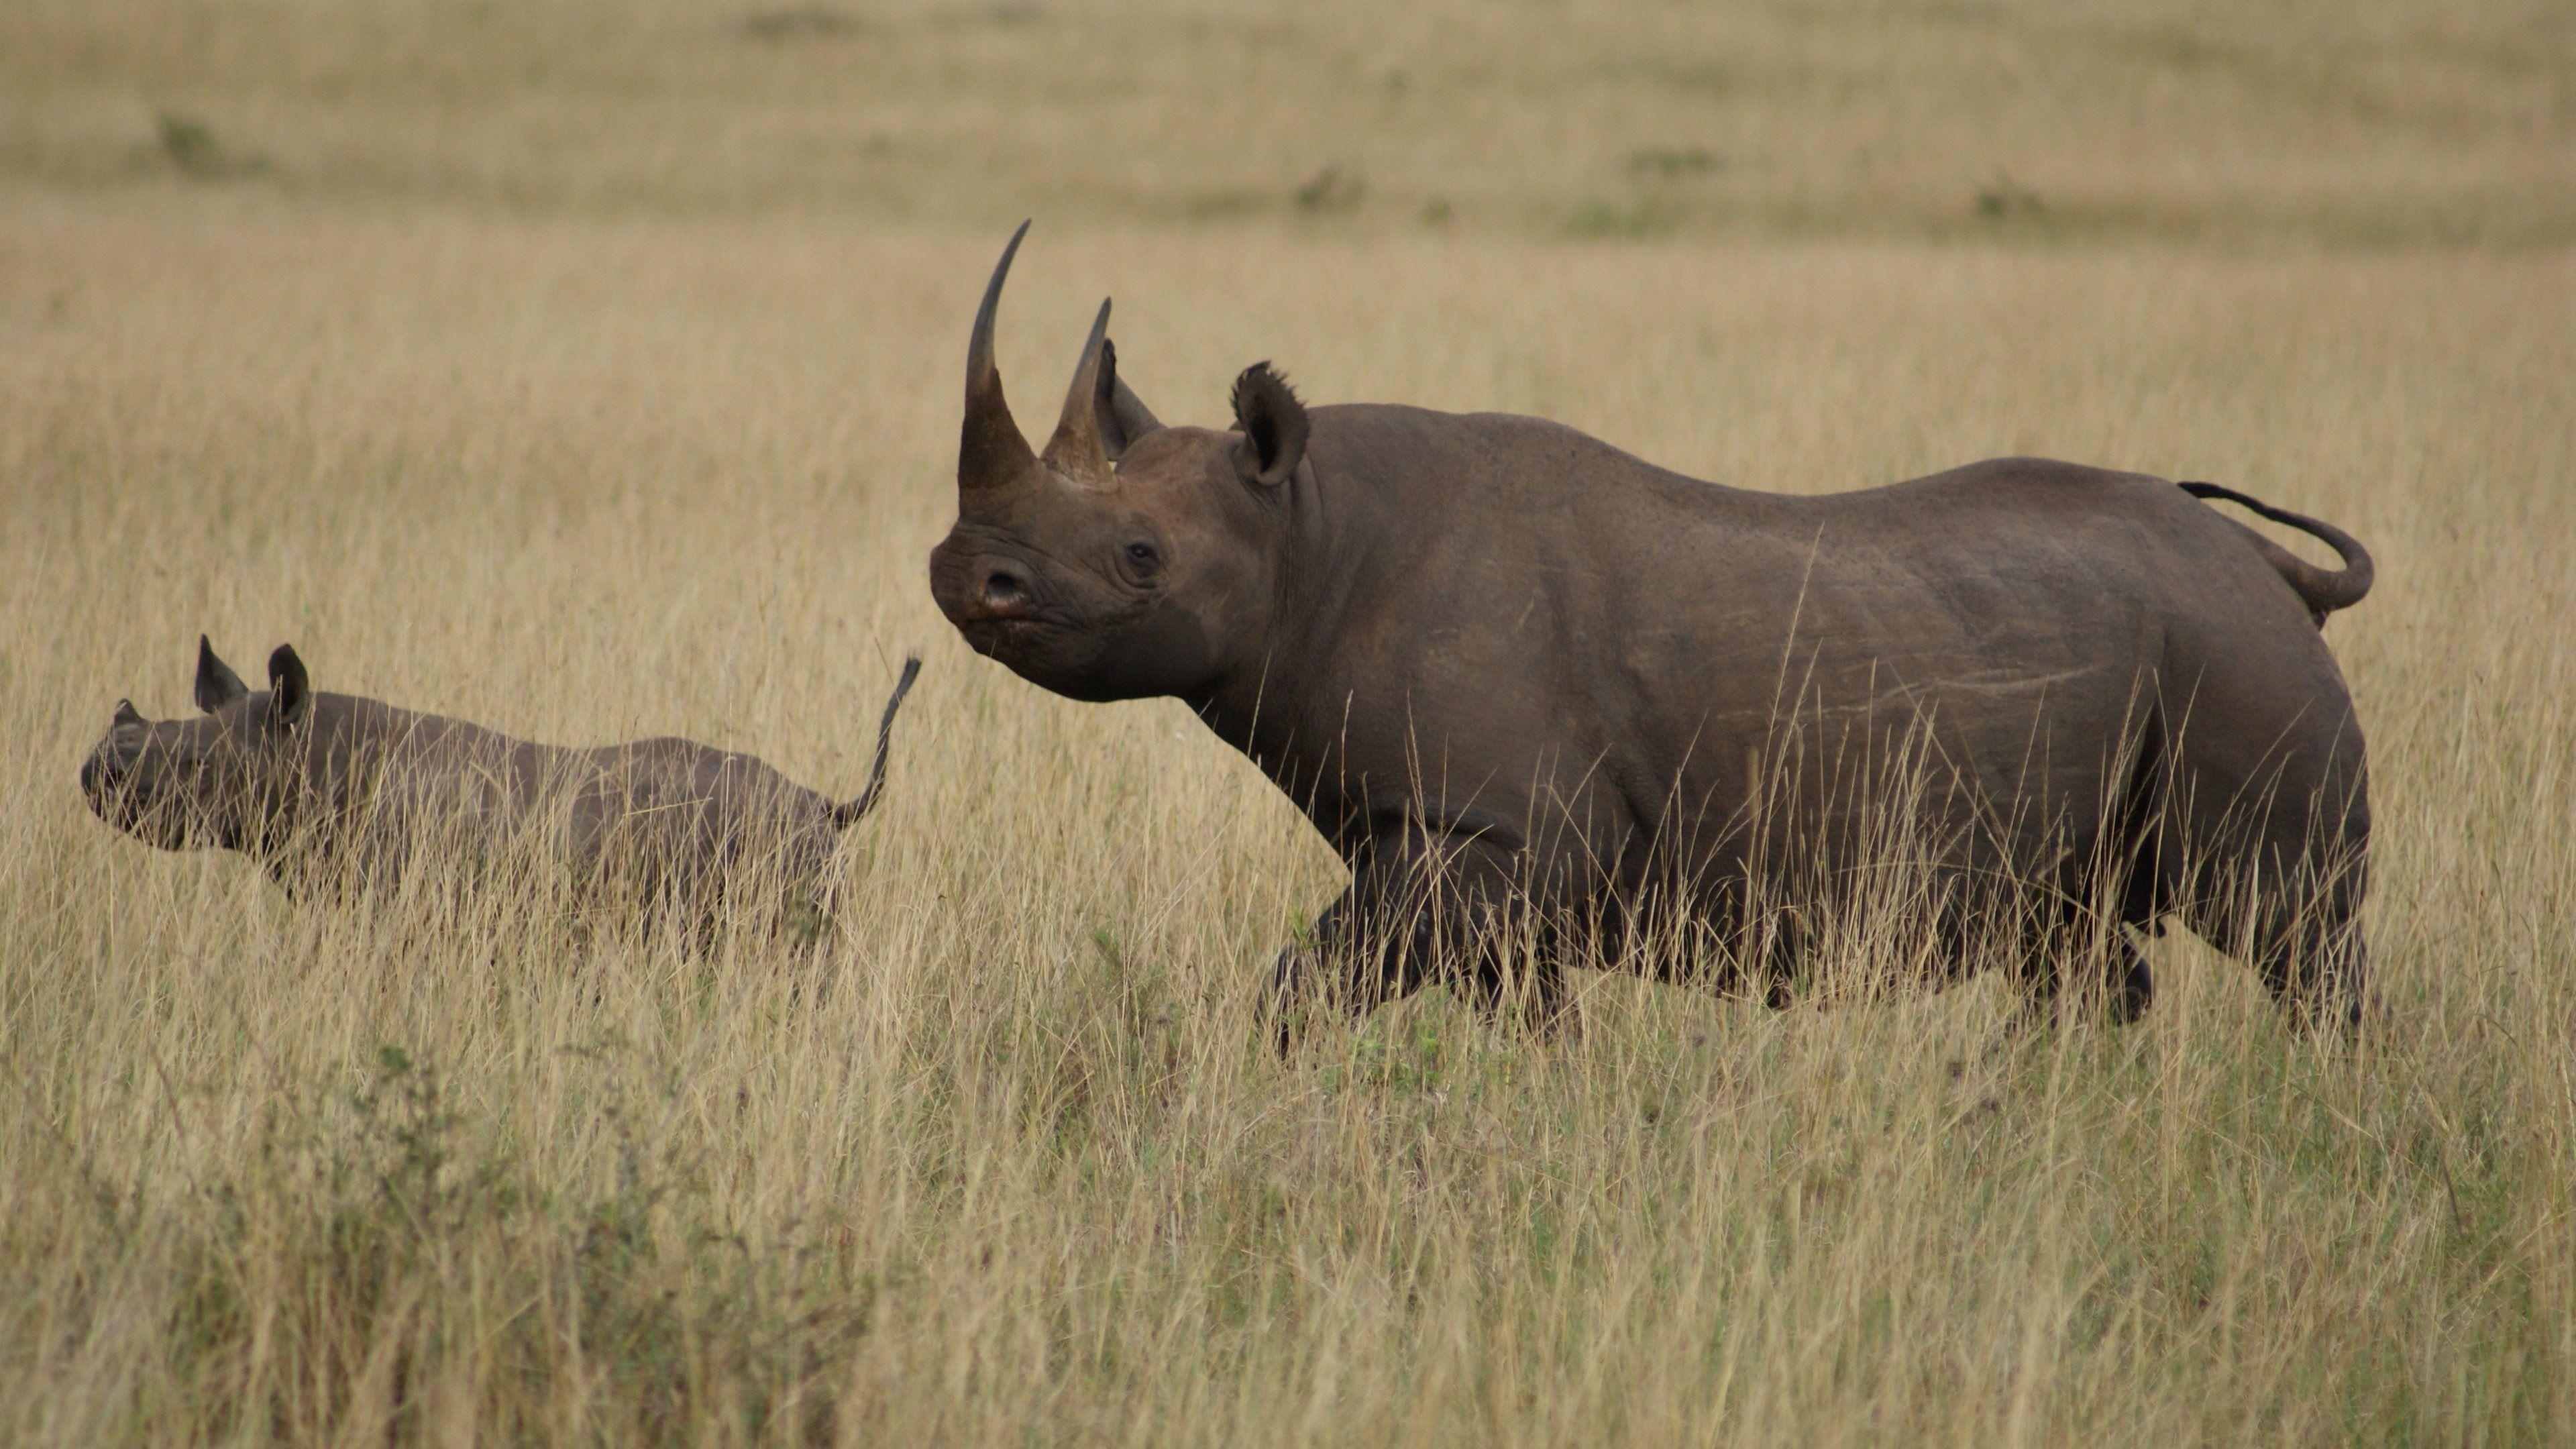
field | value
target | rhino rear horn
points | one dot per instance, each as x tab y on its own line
991	452
1116	416
1124	416
217	685
1078	450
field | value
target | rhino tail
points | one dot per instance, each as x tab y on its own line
2323	591
848	812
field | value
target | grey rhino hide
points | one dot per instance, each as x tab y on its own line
336	791
1555	705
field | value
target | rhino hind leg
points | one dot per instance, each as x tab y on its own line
2286	901
2150	868
2103	949
809	905
2308	949
2297	924
2115	895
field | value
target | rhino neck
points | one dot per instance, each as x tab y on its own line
1349	528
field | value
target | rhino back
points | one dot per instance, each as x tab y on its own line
394	780
670	809
1559	633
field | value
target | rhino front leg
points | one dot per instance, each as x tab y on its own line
1347	964
1422	906
1300	971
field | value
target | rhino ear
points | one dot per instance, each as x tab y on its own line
217	685
1123	416
290	692
1273	424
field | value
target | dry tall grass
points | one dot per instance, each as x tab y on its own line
1007	1161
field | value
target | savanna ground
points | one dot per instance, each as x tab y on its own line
592	371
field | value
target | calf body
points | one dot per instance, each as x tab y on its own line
331	788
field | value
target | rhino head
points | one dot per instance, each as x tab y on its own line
232	777
1128	559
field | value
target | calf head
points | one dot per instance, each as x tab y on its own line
233	776
1128	559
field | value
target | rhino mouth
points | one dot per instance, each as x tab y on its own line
113	795
124	805
996	635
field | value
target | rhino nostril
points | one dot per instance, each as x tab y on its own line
1005	590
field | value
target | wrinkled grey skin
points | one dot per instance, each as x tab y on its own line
1533	689
329	790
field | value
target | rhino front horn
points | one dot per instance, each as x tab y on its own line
1077	449
991	451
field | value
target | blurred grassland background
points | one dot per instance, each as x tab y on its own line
591	371
2373	123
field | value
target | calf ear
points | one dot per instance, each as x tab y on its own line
126	715
1273	424
217	685
290	693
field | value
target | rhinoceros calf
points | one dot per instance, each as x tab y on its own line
330	788
1555	704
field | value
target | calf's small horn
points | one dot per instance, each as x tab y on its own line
991	451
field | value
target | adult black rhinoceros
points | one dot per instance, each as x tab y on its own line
1555	704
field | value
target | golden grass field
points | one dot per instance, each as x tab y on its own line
592	372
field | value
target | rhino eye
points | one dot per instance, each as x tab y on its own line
1143	555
